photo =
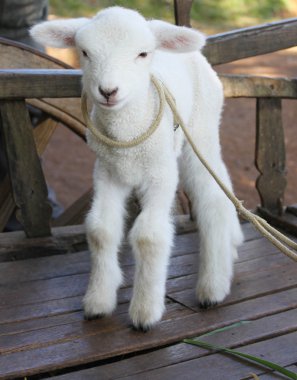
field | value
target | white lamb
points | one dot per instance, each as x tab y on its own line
119	51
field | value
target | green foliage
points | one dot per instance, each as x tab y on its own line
230	10
149	8
241	355
208	12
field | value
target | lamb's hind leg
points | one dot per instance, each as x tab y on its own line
218	225
104	227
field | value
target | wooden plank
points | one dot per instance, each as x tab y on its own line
49	332
260	329
65	264
28	183
62	299
42	309
182	11
252	41
275	375
18	55
67	83
248	280
282	350
69	278
64	293
100	346
245	285
42	133
250	86
32	83
15	245
270	155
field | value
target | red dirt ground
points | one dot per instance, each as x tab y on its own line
68	162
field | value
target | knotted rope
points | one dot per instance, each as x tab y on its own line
279	240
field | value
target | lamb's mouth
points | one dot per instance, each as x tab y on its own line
109	105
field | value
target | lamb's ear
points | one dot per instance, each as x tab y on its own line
177	39
57	33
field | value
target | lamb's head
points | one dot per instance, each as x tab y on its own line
116	49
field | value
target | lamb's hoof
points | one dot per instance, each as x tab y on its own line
141	328
207	304
92	317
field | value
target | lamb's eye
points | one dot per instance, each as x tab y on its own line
143	54
84	53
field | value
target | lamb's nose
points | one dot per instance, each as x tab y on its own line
108	93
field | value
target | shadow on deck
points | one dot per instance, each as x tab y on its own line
43	334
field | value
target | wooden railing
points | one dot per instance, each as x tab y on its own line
25	172
27	178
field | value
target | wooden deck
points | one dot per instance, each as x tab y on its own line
43	334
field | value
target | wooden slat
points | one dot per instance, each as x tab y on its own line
275	375
60	282
103	345
263	328
42	134
69	330
249	42
250	86
270	155
63	294
49	267
28	183
64	83
182	11
42	327
28	83
180	264
248	282
15	245
16	54
282	350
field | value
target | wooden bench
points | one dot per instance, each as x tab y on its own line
44	270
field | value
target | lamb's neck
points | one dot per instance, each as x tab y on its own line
130	121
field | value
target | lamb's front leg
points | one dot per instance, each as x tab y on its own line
104	227
151	238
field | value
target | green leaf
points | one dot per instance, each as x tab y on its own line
266	363
237	324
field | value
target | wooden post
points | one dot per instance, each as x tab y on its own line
182	10
25	172
270	155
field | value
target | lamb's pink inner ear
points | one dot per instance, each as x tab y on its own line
66	39
175	43
69	40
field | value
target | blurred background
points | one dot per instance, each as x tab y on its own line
67	160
